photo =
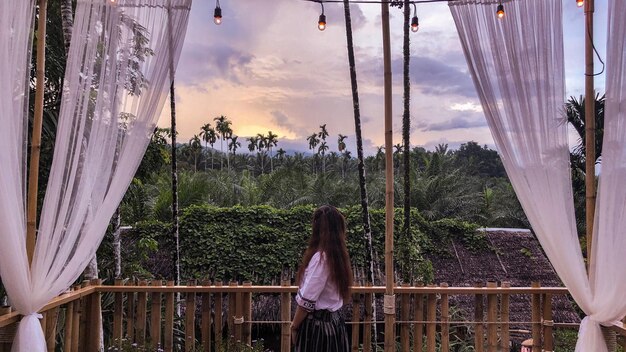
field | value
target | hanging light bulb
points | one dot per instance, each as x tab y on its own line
217	14
321	23
500	11
415	25
580	3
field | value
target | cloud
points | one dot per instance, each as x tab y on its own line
453	124
201	63
469	106
434	77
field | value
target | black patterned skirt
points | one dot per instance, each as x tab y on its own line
322	331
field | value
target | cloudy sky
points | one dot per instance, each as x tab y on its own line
268	67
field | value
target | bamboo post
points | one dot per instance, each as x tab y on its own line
84	320
205	329
479	338
445	319
590	129
247	315
367	320
431	325
356	318
405	305
168	331
35	151
418	316
536	318
142	308
155	315
69	327
389	301
504	317
76	313
130	316
218	315
548	323
238	318
95	318
492	319
230	320
52	317
190	319
118	315
285	317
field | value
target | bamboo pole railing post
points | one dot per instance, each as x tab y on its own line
168	331
230	320
218	315
418	317
130	315
445	319
190	318
548	323
247	315
492	319
206	318
536	318
95	318
431	325
118	315
356	318
285	317
479	333
367	320
52	318
238	319
69	327
504	317
142	308
155	316
35	151
405	304
76	320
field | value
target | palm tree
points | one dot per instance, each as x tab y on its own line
341	146
367	232
195	147
209	137
234	145
280	153
322	150
575	113
222	127
262	146
313	142
323	132
272	141
67	22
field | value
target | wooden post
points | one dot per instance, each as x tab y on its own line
367	321
431	325
142	315
548	338
389	305
69	327
85	310
445	319
52	317
35	151
590	129
492	319
247	315
190	319
504	317
404	317
238	318
206	318
95	318
418	316
130	316
76	313
118	315
285	317
356	318
168	331
479	333
536	318
230	320
155	316
218	316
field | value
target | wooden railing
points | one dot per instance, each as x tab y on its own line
146	314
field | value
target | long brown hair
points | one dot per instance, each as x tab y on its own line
329	237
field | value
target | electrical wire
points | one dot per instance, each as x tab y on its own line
597	54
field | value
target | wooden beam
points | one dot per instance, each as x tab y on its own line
590	129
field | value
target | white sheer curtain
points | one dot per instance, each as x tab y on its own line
116	82
517	67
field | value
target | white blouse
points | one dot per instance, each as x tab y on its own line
316	291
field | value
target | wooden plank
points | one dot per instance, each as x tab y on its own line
130	314
247	315
445	319
285	316
548	337
142	315
479	342
84	326
504	317
238	318
52	318
205	328
492	317
356	319
536	319
95	318
219	334
405	307
118	315
168	331
431	326
418	327
155	316
367	326
230	315
69	327
75	325
190	319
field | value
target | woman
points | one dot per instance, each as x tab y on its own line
324	281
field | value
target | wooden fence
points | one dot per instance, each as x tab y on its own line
145	314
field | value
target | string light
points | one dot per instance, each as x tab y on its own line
415	26
500	11
217	14
580	3
321	23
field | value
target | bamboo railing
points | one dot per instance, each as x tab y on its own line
143	313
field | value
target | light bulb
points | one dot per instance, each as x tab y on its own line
580	3
415	26
500	11
321	24
217	16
